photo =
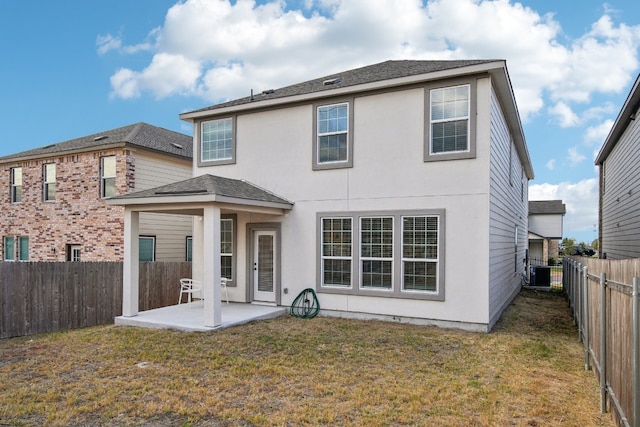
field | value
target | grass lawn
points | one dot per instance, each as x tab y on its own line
289	372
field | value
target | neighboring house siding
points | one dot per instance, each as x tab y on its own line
508	212
77	215
170	231
620	227
548	225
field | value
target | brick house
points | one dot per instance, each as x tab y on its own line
53	207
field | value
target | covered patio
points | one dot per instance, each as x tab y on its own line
188	317
206	198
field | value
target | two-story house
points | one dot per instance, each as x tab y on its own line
54	206
619	195
396	191
545	230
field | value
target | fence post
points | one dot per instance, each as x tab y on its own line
636	355
603	343
585	312
578	303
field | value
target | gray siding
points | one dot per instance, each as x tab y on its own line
170	231
508	212
621	197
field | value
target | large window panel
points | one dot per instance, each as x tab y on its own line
147	248
376	252
396	254
23	248
336	251
217	142
420	253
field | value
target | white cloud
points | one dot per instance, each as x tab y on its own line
551	164
565	115
574	156
581	200
595	135
268	46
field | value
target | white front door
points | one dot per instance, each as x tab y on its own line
264	266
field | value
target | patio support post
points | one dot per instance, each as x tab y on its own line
211	290
130	265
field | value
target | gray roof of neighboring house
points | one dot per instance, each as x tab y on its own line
372	73
627	114
547	207
209	185
140	135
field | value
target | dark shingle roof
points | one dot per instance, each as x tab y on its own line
209	185
372	73
547	207
139	134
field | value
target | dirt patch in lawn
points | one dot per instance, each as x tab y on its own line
321	371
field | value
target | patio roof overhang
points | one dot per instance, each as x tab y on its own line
189	196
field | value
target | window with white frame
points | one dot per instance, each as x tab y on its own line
217	142
399	253
9	248
450	120
108	176
73	253
336	258
333	139
23	248
420	253
376	252
16	185
49	181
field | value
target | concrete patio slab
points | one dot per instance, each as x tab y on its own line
190	317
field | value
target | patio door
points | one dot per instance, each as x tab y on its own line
264	266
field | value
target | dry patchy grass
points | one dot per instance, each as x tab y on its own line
322	371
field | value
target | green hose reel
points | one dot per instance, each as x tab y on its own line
306	305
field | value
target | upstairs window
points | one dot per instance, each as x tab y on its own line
108	176
16	185
217	142
450	121
49	178
333	137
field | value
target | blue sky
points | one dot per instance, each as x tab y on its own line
76	67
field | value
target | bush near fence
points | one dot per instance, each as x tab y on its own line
604	298
38	297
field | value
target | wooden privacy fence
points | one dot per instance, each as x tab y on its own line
37	297
604	298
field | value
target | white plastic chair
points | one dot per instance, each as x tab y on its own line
188	287
223	285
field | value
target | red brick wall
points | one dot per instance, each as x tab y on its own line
77	216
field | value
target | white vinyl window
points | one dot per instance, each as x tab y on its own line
16	185
333	133
147	248
449	117
420	257
336	259
23	248
376	252
217	141
108	176
49	180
